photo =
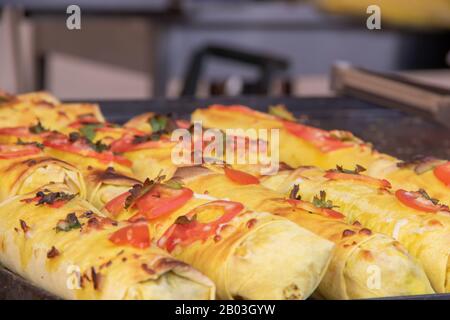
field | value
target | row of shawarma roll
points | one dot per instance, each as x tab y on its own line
77	205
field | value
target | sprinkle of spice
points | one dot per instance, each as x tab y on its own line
294	192
347	233
31	163
365	231
251	223
24	226
52	253
95	278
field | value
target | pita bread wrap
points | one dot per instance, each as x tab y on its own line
229	244
401	214
63	244
365	264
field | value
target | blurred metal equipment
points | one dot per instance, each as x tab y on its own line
391	90
268	66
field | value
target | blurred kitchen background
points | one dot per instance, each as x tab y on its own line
138	49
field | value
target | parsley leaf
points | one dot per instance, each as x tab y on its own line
158	123
20	142
37	128
322	202
282	112
139	190
88	131
46	197
98	146
424	194
69	223
174	183
358	169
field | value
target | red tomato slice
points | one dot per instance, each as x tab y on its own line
135	235
15	151
442	172
322	139
187	233
116	205
417	201
80	147
126	144
240	176
85	120
16	131
160	201
183	124
330	213
57	204
381	183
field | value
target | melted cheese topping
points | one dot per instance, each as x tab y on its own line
400	223
208	197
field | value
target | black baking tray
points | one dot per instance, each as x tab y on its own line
391	131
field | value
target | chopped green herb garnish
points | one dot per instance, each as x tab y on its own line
69	223
322	202
46	197
89	130
427	196
358	169
140	189
282	112
98	146
174	183
158	123
144	138
37	128
34	143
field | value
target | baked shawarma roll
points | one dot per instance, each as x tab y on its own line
25	168
418	222
365	264
248	255
302	145
428	173
63	244
299	144
26	110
